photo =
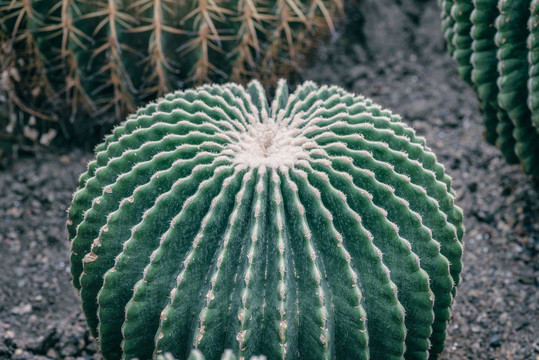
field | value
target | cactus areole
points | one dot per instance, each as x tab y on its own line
314	226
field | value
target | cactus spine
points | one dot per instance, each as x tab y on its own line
63	60
495	45
313	227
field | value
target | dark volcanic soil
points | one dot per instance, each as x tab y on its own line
391	51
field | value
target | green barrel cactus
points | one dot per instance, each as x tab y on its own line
65	60
314	226
494	43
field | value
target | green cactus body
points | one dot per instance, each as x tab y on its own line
197	355
533	60
498	126
484	62
462	40
504	71
483	58
104	58
513	74
506	141
317	226
447	24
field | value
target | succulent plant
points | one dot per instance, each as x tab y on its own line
64	60
495	45
315	226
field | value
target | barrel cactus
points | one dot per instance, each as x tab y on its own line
495	44
314	226
63	60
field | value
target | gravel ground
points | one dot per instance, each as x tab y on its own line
391	51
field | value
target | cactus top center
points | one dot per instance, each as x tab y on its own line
271	145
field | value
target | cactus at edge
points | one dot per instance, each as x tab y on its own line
67	60
315	226
495	45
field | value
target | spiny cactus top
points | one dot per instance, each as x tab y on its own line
312	227
106	57
495	44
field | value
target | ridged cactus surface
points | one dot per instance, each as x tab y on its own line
64	60
197	355
314	226
495	45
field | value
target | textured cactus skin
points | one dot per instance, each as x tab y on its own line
197	355
533	59
105	58
315	226
500	64
484	63
462	40
447	24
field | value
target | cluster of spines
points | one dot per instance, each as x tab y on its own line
494	43
104	58
352	249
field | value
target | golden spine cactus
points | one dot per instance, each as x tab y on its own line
66	59
315	226
495	45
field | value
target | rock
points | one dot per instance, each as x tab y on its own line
495	340
14	212
22	309
64	159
